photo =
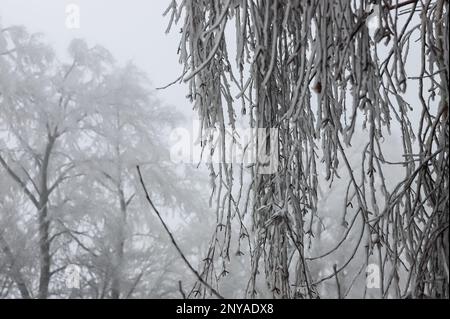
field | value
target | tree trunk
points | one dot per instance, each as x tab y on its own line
44	223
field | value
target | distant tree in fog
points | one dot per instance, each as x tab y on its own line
71	135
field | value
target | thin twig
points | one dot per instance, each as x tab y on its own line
147	196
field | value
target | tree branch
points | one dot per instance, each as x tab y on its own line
213	291
15	177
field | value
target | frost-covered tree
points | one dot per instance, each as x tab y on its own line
127	127
42	103
71	136
325	78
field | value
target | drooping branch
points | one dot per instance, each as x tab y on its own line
172	238
314	70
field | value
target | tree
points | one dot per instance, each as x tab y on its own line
71	135
39	113
315	71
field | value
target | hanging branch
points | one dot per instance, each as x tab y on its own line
172	238
314	71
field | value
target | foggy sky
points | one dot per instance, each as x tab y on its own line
131	30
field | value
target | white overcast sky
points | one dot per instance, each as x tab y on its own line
130	29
